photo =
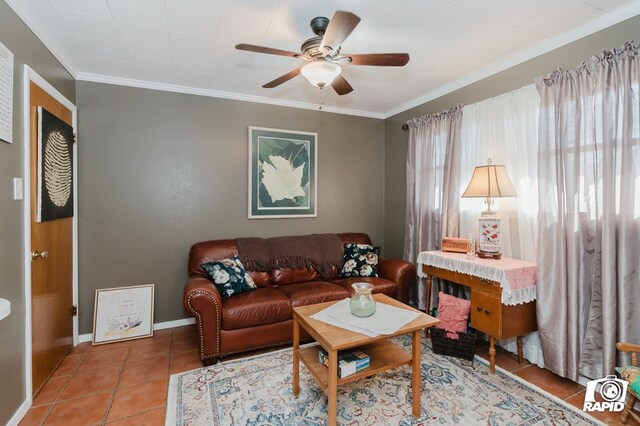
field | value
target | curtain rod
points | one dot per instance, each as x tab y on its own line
405	126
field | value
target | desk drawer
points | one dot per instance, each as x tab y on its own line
475	283
486	313
485	286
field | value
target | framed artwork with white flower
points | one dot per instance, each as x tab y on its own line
282	173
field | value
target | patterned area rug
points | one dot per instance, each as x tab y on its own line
258	391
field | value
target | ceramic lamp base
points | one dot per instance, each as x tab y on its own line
489	235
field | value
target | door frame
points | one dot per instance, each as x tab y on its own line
30	76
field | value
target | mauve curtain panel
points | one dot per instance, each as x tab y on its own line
589	213
433	158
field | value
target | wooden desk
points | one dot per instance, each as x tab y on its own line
488	313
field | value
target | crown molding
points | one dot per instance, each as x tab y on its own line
43	36
143	84
521	56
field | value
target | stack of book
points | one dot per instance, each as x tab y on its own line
349	361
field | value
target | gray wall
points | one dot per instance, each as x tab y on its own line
160	171
27	49
513	78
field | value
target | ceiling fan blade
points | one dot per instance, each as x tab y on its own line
379	59
341	85
341	25
267	50
282	79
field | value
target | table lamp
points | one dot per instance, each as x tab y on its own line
489	182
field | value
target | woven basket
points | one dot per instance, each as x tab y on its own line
463	347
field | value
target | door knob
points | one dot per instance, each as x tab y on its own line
43	254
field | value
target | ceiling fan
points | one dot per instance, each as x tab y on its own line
323	54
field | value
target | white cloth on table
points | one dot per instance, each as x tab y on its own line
385	320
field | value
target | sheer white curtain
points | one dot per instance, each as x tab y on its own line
589	245
432	187
505	129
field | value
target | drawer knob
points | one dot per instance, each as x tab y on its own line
488	312
479	308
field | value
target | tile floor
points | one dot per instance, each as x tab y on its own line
565	389
118	383
126	383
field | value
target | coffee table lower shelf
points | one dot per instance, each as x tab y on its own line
383	355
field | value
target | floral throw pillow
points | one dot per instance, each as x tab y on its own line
229	276
360	260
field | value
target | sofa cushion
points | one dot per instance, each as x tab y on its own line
284	276
380	285
360	260
313	292
229	276
262	279
354	238
258	307
209	251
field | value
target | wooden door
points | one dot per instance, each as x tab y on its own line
51	272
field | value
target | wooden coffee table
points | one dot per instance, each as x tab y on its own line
384	354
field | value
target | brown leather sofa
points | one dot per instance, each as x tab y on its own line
263	317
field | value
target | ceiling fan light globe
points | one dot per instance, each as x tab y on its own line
321	73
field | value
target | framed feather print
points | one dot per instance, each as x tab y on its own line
55	167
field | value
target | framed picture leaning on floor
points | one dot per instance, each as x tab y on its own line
123	313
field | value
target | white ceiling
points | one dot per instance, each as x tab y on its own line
188	45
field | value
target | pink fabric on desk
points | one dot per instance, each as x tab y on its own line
520	273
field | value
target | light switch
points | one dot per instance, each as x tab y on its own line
17	189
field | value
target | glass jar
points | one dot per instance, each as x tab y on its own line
362	302
471	246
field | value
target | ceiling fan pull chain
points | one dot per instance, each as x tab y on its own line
321	98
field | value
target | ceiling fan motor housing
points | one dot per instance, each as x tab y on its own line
311	46
319	25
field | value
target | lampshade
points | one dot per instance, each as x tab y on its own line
320	73
490	181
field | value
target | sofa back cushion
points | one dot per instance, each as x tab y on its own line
283	276
354	238
209	251
262	279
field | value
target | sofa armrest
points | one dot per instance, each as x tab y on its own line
400	272
202	300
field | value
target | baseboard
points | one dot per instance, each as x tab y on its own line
20	413
175	323
157	326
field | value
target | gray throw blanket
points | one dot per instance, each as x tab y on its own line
323	252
